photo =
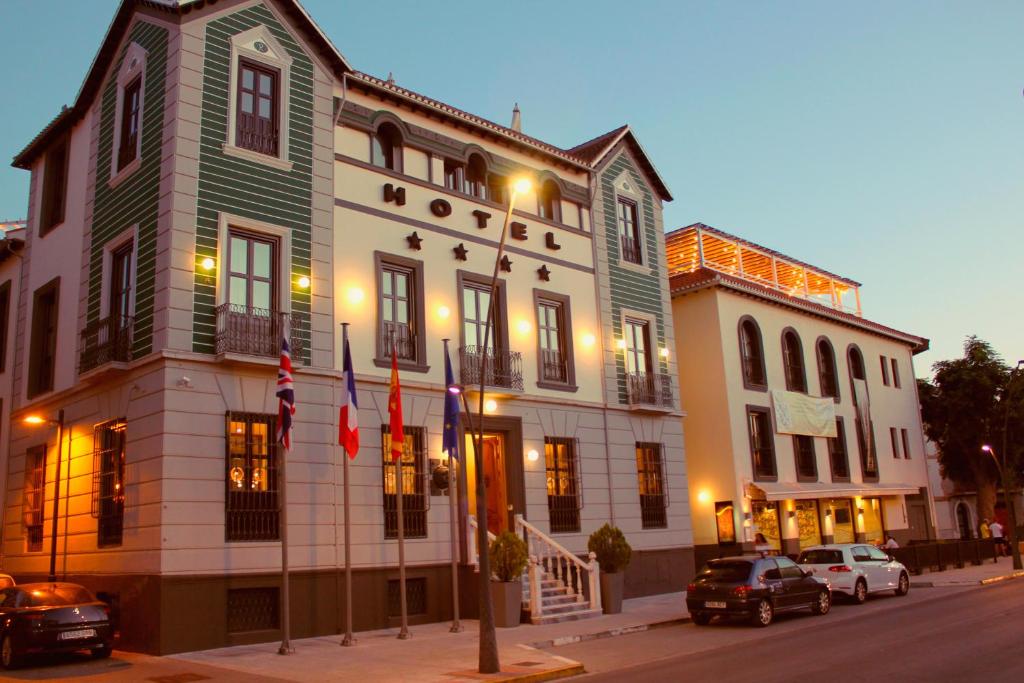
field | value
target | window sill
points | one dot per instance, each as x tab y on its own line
755	387
411	366
765	478
558	386
840	480
636	267
125	172
806	480
249	155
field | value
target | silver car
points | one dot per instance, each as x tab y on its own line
856	569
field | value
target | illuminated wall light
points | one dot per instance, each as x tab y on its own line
303	282
443	312
532	455
208	263
703	496
490	405
664	352
355	296
621	343
588	340
523	326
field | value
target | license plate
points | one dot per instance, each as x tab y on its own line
712	604
78	634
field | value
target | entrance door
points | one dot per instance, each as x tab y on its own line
495	481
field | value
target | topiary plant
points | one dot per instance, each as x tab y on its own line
508	557
611	548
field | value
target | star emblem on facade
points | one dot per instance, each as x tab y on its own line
506	264
460	252
543	273
414	241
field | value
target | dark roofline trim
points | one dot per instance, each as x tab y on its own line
631	141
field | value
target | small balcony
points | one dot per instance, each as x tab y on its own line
257	332
398	337
649	390
630	250
504	368
108	340
554	367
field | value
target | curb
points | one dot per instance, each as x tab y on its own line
980	582
566	671
1004	577
610	633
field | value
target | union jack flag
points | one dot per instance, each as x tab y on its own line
285	392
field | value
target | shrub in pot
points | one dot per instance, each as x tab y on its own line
612	553
508	560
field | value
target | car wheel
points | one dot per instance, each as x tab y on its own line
701	619
903	587
860	592
101	652
822	603
763	614
8	658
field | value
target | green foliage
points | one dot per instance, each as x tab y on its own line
972	401
508	556
611	548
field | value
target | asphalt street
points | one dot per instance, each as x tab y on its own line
958	635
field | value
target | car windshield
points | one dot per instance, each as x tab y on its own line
726	570
821	556
58	596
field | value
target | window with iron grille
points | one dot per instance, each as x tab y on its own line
251	502
554	337
109	441
837	456
561	458
253	609
258	119
650	471
415	501
415	597
34	497
806	459
629	231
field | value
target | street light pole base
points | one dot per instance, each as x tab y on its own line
348	641
404	634
285	649
456	628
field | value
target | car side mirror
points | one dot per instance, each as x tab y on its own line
806	573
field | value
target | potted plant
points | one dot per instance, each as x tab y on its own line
613	552
508	560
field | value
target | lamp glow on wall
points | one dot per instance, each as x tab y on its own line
303	282
532	455
588	340
355	296
208	264
490	406
443	312
703	496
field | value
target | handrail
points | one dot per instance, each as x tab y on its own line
548	556
474	552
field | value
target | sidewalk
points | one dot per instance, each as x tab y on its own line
985	573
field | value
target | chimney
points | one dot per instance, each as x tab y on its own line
517	121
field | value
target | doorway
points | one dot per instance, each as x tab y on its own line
963	521
502	470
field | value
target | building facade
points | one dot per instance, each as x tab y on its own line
225	179
802	418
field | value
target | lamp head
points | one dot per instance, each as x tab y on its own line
522	185
34	420
986	448
455	389
208	264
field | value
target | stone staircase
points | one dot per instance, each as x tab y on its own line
559	602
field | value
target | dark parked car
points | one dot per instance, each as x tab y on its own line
51	617
755	588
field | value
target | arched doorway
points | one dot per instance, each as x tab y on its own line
963	521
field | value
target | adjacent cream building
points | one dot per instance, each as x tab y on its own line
802	423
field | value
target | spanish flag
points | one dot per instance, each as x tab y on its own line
395	411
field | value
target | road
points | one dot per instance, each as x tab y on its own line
972	634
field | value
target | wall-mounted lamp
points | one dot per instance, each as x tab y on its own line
303	282
791	513
828	512
490	405
860	508
532	455
208	264
523	326
664	352
621	343
588	340
355	296
443	312
703	496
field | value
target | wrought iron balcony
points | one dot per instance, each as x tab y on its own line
649	389
553	366
106	340
254	332
504	368
630	249
401	338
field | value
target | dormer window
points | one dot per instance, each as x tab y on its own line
386	147
549	202
257	127
126	155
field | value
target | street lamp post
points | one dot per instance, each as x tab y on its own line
1008	482
36	420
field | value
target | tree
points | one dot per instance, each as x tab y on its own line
964	407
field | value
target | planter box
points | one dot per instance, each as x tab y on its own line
507	598
611	592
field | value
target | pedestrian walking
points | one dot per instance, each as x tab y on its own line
983	529
996	529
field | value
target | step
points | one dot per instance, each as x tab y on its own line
570	616
564	607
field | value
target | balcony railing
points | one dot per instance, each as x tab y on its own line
649	389
254	332
554	367
630	249
258	134
399	337
504	368
106	340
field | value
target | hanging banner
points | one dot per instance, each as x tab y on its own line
797	413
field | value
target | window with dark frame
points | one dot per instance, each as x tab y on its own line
398	311
885	369
561	465
415	500
837	456
856	361
131	113
793	362
549	202
638	347
476	298
121	282
257	121
386	147
629	231
252	273
762	447
894	438
34	496
251	502
752	354
868	459
43	352
555	360
650	472
476	177
806	459
109	441
905	437
827	377
55	179
454	175
895	373
5	314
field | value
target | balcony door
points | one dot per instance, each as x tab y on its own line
638	344
253	320
119	322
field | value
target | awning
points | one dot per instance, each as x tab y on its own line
798	491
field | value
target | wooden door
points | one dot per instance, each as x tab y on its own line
495	481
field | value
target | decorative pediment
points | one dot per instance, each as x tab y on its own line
259	43
625	184
133	63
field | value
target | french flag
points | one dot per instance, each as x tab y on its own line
348	420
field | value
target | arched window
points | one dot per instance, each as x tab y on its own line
856	360
386	147
549	201
793	361
827	368
963	521
752	354
476	177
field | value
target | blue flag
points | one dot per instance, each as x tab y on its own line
450	440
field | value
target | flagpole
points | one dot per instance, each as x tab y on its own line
348	640
286	646
456	625
403	633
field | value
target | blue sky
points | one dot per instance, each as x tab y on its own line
882	141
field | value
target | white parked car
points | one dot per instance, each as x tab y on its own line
856	569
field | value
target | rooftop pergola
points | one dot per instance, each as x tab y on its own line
701	246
